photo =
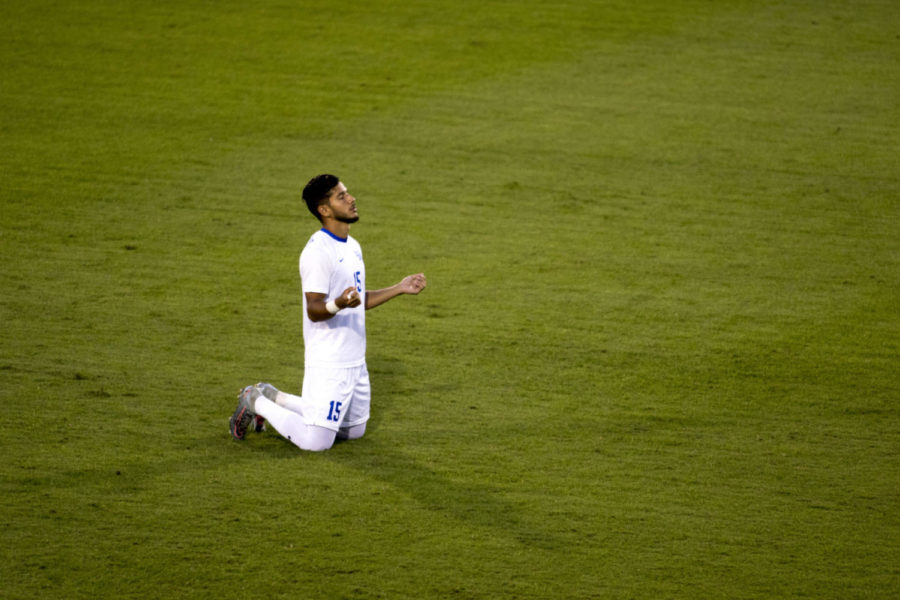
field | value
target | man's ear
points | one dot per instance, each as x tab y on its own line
325	210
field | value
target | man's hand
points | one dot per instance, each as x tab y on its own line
349	298
317	308
413	284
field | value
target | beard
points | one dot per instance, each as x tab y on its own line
348	220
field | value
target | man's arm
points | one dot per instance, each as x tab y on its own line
317	308
411	284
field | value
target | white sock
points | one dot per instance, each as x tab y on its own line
291	425
289	401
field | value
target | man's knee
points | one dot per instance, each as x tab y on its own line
352	433
316	439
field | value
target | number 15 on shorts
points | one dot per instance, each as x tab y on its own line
334	411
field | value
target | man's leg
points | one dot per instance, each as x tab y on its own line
292	426
352	433
354	425
289	401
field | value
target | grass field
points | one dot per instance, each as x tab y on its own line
658	356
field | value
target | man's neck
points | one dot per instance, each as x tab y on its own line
337	228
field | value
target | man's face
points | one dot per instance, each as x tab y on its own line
343	205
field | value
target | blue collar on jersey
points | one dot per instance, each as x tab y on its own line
340	239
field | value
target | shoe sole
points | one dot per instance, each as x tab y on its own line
235	422
239	422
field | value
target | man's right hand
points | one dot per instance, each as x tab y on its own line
349	298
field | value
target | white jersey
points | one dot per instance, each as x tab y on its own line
329	265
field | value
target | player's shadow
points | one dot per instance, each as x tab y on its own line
475	503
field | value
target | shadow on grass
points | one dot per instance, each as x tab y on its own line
473	503
466	497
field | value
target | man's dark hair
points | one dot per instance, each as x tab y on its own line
317	191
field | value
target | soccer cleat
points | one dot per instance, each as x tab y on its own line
243	414
259	424
268	390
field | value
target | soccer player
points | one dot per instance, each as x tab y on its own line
335	399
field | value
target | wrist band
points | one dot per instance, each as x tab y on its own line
332	307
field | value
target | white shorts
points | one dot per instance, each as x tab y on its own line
336	398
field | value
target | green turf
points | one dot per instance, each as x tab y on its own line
658	354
